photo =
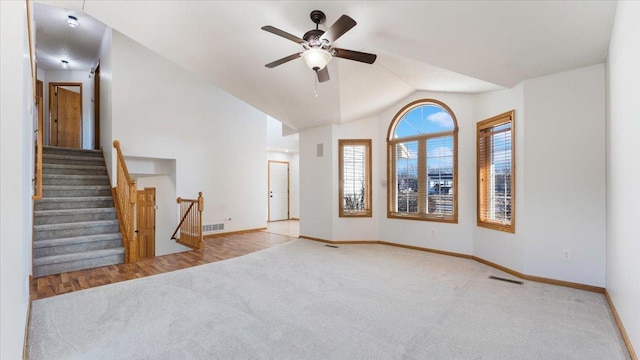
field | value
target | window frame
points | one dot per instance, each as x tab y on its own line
342	212
482	201
422	175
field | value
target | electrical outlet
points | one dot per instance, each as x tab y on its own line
433	232
566	254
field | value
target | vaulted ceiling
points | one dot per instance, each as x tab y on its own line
456	46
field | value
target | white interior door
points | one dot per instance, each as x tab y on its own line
278	190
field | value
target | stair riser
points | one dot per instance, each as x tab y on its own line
44	270
73	205
74	171
85	162
67	249
71	218
79	192
74	182
71	152
73	232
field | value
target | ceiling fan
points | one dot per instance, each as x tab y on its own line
318	45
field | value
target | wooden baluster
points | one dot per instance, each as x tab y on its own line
133	246
200	210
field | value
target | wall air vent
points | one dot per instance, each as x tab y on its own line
212	227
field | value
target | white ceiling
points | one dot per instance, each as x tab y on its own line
56	41
458	46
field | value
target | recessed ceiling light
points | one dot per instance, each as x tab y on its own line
65	64
73	21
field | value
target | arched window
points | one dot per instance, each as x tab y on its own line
422	163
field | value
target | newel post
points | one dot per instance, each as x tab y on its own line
200	210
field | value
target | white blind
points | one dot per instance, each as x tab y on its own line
439	184
495	173
406	174
354	178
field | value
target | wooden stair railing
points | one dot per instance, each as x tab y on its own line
125	198
37	193
37	100
190	225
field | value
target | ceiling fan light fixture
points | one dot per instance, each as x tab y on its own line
316	59
73	21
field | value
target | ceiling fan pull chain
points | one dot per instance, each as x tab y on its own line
316	86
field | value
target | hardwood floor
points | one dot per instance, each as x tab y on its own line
216	248
286	227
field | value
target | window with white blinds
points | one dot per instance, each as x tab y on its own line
355	177
496	177
422	145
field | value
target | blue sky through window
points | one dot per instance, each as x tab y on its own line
424	120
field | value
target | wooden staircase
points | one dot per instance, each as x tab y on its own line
75	224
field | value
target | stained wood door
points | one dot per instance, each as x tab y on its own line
146	222
278	190
66	115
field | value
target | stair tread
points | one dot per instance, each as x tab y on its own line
55	259
61	212
69	176
65	166
75	198
71	157
76	240
54	148
73	187
71	225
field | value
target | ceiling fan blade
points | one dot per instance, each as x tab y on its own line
284	34
323	74
354	55
285	59
338	29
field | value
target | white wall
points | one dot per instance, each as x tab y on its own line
106	88
276	140
500	247
623	167
294	173
564	176
160	110
87	102
316	183
16	164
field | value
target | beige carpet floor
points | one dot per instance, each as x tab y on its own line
304	300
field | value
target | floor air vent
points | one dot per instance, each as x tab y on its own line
331	246
212	227
507	280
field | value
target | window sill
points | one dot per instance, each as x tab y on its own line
354	214
424	217
497	226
